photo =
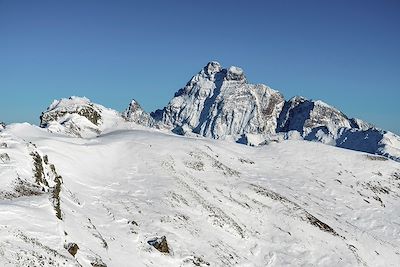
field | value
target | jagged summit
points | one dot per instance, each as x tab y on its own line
135	113
212	68
220	103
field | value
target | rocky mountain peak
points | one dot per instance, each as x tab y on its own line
212	68
220	103
235	74
135	113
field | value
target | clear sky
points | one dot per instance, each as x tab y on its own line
346	53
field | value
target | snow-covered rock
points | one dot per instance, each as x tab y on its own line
135	113
78	116
221	104
317	121
305	115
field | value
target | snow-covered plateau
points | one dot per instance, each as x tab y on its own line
95	187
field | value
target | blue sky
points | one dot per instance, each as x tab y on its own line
346	53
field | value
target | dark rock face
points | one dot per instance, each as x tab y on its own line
160	244
72	248
38	169
40	164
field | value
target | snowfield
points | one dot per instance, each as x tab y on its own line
218	203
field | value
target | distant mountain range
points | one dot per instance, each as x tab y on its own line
220	103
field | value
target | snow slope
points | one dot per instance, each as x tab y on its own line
217	203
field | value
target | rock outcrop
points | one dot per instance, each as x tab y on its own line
79	117
135	113
159	243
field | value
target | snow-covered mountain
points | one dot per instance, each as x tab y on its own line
150	198
317	121
220	103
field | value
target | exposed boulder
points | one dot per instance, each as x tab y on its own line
159	243
72	248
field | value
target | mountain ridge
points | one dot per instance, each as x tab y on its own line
220	103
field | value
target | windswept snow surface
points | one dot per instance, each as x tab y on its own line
292	203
